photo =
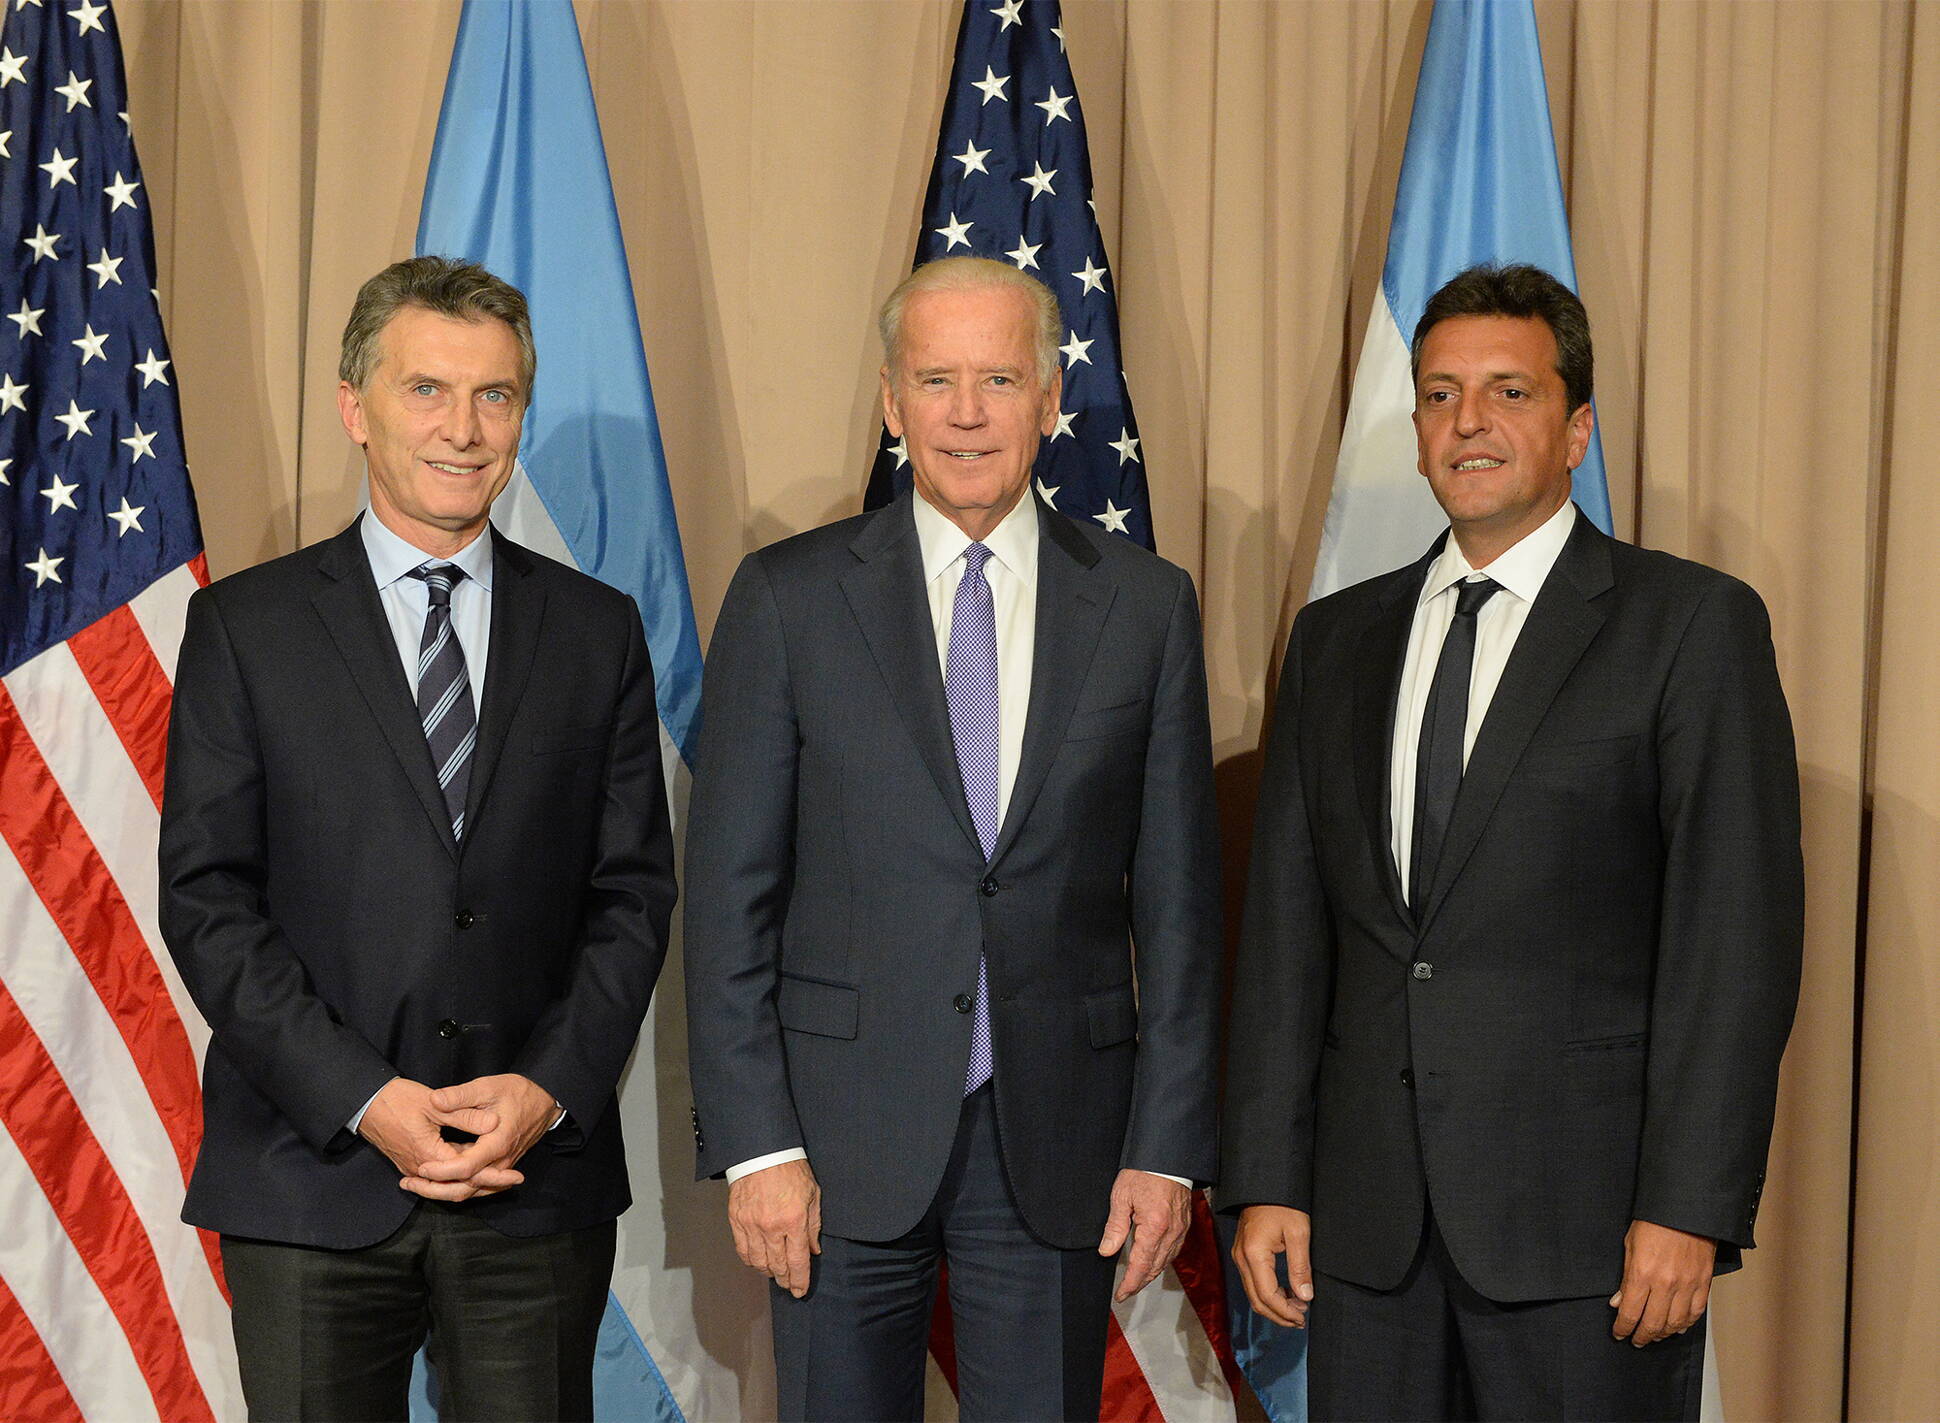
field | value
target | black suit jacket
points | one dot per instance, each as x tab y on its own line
1583	1024
838	897
334	935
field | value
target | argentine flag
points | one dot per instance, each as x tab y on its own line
1478	184
518	182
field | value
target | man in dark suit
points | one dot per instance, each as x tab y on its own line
1523	932
423	935
952	927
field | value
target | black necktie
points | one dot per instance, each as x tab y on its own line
445	693
1444	727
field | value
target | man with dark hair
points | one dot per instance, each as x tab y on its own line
952	941
1523	932
417	873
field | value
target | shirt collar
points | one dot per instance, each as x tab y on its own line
1521	569
392	558
1013	543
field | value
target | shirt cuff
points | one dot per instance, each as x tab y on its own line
1167	1176
558	1119
762	1163
357	1117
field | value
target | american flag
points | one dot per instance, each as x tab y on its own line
110	1307
1012	181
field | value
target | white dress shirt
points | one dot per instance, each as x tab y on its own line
1521	571
1011	571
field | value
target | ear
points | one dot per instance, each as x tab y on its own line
890	416
1582	425
350	406
1053	402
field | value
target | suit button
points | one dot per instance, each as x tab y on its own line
1424	970
464	919
962	1003
1408	1078
989	885
449	1028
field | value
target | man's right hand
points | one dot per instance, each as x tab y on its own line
402	1123
1264	1233
776	1216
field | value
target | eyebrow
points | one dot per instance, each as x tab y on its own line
1524	377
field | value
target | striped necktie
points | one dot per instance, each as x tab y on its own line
970	684
445	693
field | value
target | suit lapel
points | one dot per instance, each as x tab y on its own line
885	591
518	609
1377	687
1071	610
354	619
1561	625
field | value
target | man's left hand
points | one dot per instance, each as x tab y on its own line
1154	1213
1666	1282
525	1111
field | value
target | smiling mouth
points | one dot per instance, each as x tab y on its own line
1479	462
968	454
443	468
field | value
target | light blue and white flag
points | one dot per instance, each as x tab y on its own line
518	182
1478	183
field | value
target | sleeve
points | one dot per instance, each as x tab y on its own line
1175	912
1282	982
1731	924
740	871
247	981
580	1045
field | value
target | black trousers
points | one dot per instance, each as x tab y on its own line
1029	1318
1433	1348
512	1321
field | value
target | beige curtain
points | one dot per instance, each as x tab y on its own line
1752	188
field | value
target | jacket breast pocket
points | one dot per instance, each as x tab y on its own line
1111	1017
1566	760
1119	719
555	739
808	1005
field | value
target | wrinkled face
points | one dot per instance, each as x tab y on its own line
1496	437
964	395
439	421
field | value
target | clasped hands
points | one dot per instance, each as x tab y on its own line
506	1113
776	1217
1666	1273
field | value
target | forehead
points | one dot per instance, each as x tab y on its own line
416	339
1490	345
984	326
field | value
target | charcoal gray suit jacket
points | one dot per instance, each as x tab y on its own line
838	898
1582	1024
334	934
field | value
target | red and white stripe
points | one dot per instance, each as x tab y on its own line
1168	1356
110	1307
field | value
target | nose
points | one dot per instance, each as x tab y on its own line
462	427
1471	413
966	405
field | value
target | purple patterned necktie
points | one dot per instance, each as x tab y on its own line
445	693
970	683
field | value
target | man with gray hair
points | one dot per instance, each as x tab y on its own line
953	923
417	873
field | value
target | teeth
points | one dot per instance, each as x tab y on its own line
448	468
967	454
1479	464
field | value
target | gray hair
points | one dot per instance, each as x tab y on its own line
463	291
964	274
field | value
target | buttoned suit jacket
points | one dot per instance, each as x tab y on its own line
838	896
334	934
1583	1023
